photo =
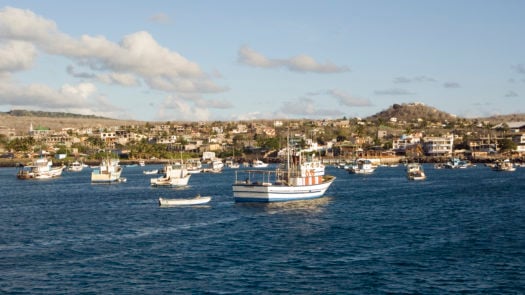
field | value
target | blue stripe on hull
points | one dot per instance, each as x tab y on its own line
267	200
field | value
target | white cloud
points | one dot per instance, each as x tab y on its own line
394	91
25	25
138	59
306	106
175	108
160	18
511	94
348	100
300	63
251	57
137	54
118	78
451	85
400	80
16	56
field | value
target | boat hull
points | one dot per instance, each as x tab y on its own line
270	192
184	202
183	181
96	176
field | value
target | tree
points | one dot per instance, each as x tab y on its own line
507	145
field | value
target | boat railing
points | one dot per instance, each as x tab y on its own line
259	177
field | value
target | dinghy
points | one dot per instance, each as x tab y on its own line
198	200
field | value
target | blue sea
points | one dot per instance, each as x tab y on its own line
459	231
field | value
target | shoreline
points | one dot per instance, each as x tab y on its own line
19	162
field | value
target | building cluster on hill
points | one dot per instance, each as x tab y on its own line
344	138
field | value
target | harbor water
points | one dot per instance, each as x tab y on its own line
459	231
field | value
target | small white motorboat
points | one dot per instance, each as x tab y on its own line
198	200
149	172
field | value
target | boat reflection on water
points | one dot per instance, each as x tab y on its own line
301	206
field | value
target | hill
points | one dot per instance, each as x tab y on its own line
411	112
26	113
20	120
504	118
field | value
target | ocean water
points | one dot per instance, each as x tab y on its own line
460	231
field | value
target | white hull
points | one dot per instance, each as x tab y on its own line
415	172
362	171
96	176
174	175
108	171
75	167
184	202
42	169
504	166
170	181
271	192
417	177
362	166
151	172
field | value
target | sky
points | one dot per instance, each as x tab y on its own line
246	60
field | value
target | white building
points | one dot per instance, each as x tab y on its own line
438	146
404	142
520	141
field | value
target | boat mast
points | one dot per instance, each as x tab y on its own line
288	153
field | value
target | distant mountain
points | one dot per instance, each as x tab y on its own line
410	112
21	120
504	118
26	113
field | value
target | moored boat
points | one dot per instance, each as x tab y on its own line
456	163
76	166
505	165
198	200
300	178
259	164
361	166
149	172
109	170
175	174
415	171
41	168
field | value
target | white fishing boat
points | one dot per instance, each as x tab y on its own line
361	166
150	172
41	168
231	164
198	200
299	179
415	171
214	167
109	170
175	174
456	163
194	166
259	164
505	165
76	166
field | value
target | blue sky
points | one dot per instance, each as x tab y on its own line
244	60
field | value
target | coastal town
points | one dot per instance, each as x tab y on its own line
390	139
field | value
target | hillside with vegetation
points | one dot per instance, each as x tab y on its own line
504	118
412	112
26	113
20	120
